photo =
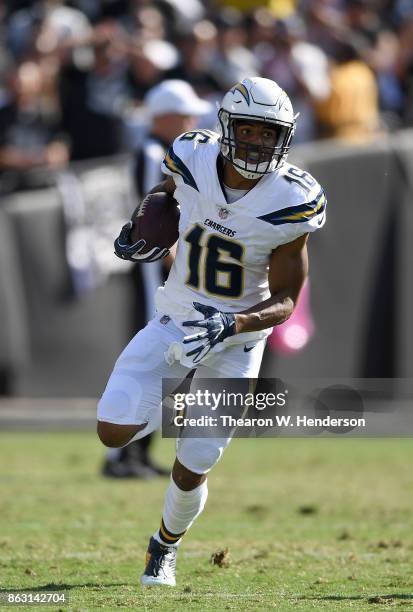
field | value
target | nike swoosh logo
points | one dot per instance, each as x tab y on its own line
247	350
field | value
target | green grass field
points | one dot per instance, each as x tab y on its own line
309	524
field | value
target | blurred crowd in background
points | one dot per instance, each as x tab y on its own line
73	75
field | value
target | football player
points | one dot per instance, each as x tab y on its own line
241	261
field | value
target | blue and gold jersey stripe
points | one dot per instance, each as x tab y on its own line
176	165
297	214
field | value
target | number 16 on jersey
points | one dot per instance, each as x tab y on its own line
215	276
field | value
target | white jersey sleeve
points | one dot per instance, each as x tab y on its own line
179	159
301	206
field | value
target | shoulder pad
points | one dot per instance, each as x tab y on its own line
178	158
303	187
303	201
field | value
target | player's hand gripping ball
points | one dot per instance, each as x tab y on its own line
152	231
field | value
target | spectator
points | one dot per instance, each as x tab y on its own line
144	22
93	101
135	45
30	132
22	28
351	111
232	61
300	68
196	48
382	59
405	67
148	64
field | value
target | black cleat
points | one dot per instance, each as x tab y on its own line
127	469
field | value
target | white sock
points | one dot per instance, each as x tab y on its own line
180	510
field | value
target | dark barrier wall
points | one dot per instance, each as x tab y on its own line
362	294
14	333
404	336
360	274
74	340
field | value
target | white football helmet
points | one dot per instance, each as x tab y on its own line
256	99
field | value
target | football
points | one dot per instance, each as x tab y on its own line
156	221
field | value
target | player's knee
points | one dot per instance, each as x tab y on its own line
198	456
114	436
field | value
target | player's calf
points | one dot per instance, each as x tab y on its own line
114	436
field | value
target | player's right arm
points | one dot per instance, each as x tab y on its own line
125	248
175	167
167	185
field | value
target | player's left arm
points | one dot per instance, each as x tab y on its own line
288	269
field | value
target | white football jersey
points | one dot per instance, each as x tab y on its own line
224	249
